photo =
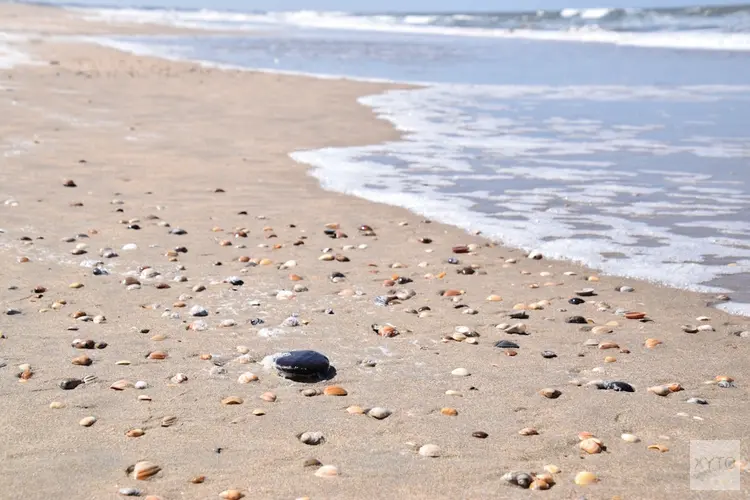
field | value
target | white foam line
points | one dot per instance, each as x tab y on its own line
341	21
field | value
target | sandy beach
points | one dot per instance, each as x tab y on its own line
104	150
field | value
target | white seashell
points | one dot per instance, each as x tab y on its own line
430	450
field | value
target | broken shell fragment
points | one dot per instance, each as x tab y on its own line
144	470
584	478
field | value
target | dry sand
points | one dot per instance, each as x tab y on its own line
161	137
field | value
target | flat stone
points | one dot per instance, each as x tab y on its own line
301	365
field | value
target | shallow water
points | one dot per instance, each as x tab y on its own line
632	160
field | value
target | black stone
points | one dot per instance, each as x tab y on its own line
466	270
576	301
256	321
236	281
548	354
452	260
518	315
617	386
177	231
506	344
68	384
302	365
402	280
576	320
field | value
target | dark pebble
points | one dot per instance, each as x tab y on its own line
518	315
576	301
302	365
548	354
452	260
506	344
466	270
70	383
576	320
617	386
480	434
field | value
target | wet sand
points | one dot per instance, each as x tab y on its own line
149	142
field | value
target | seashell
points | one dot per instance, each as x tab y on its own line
539	484
724	378
311	438
379	413
355	410
430	450
600	330
494	298
87	421
258	412
168	421
635	315
550	393
140	384
591	446
651	343
450	412
521	479
134	433
121	385
269	397
460	372
630	438
247	377
157	355
584	478
511	352
231	494
658	447
660	390
451	293
610	359
479	434
56	405
179	378
517	329
311	392
334	390
552	469
75	285
144	470
706	328
327	471
674	387
232	400
82	360
528	431
198	479
608	345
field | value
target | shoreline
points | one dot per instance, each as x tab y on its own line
149	141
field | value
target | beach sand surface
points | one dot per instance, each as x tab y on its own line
148	142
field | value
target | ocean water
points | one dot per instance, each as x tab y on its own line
619	138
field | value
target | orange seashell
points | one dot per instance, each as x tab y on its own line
651	343
26	374
389	283
265	262
452	293
144	470
658	447
134	433
494	298
335	390
295	277
539	484
440	275
333	225
268	397
387	331
450	412
157	355
591	446
206	357
278	246
198	479
608	345
394	277
675	387
610	359
511	352
231	495
724	378
635	315
244	258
